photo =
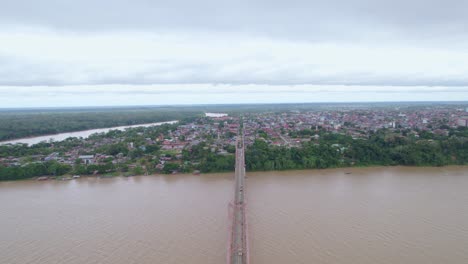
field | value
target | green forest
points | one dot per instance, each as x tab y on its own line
381	149
20	124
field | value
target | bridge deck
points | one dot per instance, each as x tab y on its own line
238	244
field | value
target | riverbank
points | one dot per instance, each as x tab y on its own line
342	170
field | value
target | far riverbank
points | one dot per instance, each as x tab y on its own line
335	171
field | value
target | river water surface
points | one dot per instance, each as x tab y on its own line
372	215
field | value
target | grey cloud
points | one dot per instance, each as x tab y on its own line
211	89
25	73
309	19
108	95
332	21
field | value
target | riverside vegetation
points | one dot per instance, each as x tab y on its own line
20	124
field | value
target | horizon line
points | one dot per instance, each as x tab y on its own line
226	104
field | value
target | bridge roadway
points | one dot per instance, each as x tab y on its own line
238	244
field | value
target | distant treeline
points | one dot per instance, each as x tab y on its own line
21	124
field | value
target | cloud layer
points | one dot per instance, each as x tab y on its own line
50	58
187	94
220	44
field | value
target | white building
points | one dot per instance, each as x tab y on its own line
87	159
462	122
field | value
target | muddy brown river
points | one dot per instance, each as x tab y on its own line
363	216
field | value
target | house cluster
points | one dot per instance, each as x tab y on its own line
282	128
218	132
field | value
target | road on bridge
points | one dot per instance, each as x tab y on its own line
239	245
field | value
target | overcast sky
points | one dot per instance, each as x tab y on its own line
150	52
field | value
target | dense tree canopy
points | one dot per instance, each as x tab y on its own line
25	124
339	150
